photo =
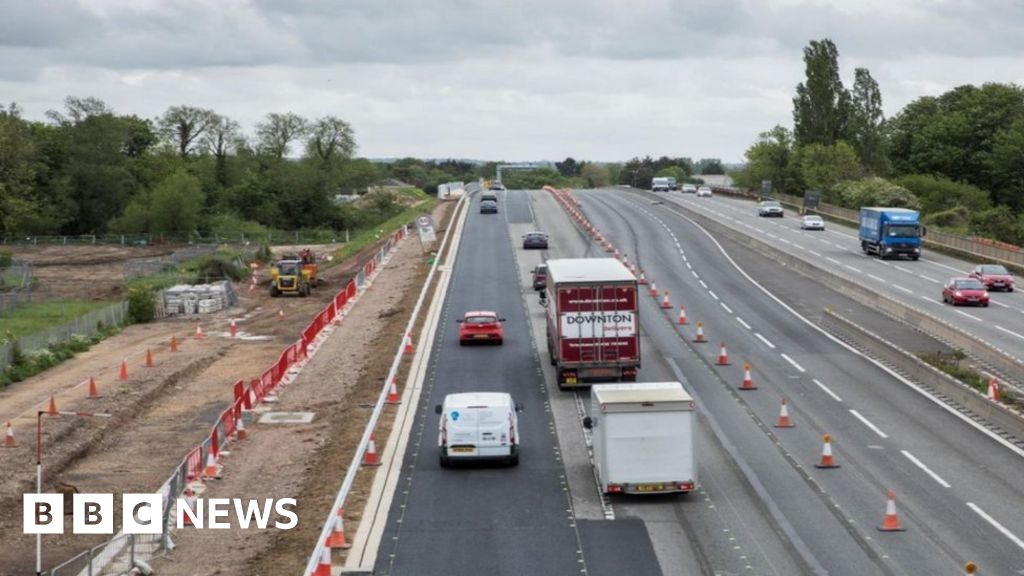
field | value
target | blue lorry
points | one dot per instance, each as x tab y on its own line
891	232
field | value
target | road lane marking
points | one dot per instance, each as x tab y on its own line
813	252
727	309
950	268
933	300
1010	332
926	469
929	278
765	340
745	325
832	260
868	423
827	391
857	270
965	314
703	285
793	362
878	278
784	241
799	246
907	290
688	266
1013	537
695	275
1000	304
902	269
713	295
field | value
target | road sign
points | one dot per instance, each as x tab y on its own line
766	189
425	227
811	199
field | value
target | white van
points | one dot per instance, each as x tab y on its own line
478	426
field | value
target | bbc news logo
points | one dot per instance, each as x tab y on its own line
144	513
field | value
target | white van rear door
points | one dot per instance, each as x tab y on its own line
462	431
494	426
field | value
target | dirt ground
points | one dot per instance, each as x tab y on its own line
82	272
161	412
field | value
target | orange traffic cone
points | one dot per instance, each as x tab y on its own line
723	356
700	333
993	390
370	457
643	279
748	381
174	343
52	408
93	390
617	255
393	393
891	523
9	441
826	454
784	421
190	498
665	304
123	373
240	429
199	332
149	358
408	345
233	328
337	538
682	315
212	469
323	568
654	289
970	568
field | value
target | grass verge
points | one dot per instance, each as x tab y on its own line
33	317
950	364
29	364
364	238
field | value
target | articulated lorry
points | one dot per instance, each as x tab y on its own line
643	438
891	232
593	325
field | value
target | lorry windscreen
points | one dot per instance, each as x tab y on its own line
899	231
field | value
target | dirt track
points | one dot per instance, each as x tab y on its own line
163	411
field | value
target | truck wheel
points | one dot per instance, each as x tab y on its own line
274	293
914	258
513	460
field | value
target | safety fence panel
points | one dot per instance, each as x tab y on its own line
85	325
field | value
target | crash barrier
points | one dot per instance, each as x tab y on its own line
120	554
365	441
956	393
85	325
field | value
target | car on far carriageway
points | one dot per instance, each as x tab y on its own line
993	276
689	189
488	207
769	208
535	240
481	326
704	191
965	291
812	222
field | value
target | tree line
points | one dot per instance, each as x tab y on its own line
958	157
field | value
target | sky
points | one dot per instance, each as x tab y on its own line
514	80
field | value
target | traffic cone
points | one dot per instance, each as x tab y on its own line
123	373
149	358
826	454
199	332
654	289
643	279
723	356
700	333
748	381
337	538
617	255
970	568
93	390
682	315
324	567
189	497
240	429
393	393
212	469
174	343
784	421
408	345
280	313
370	457
9	441
665	304
233	328
993	390
52	408
891	523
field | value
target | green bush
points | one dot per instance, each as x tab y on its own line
998	223
141	304
5	258
938	193
956	217
28	365
215	268
874	192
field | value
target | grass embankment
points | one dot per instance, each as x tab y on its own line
363	238
34	317
950	364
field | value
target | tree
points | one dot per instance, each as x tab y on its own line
78	109
866	119
672	172
822	167
1007	165
279	131
873	192
771	158
709	166
331	140
221	137
595	175
183	126
938	193
568	168
821	106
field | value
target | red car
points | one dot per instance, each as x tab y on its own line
965	291
481	326
993	276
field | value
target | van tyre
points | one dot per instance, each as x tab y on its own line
513	460
444	461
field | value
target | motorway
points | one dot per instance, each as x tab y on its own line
762	507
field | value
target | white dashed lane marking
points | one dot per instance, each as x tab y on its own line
877	278
742	323
868	423
832	260
1011	332
907	290
927	470
765	340
857	270
827	391
726	308
966	315
793	362
1013	537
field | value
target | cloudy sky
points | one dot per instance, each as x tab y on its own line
499	79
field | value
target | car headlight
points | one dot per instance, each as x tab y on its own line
917	250
958	294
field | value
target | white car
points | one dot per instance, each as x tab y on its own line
478	426
812	222
770	208
704	191
689	189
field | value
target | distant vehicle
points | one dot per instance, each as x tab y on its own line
496	186
672	184
478	426
481	326
689	189
993	276
965	291
488	196
704	191
643	438
488	207
770	208
540	276
535	240
891	232
660	185
812	222
593	325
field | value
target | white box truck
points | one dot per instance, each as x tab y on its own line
643	437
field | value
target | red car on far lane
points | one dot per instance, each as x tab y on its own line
993	276
965	291
481	326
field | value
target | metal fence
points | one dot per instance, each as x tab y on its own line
85	325
225	237
15	286
150	266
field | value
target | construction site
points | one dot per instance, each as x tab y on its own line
263	399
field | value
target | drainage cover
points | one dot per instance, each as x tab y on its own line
286	418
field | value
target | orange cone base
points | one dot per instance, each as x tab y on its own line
784	423
891	524
700	339
826	463
747	385
723	361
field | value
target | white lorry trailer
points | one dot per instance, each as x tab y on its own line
643	437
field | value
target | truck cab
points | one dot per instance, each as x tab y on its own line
660	185
891	232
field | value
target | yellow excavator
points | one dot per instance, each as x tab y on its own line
290	277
